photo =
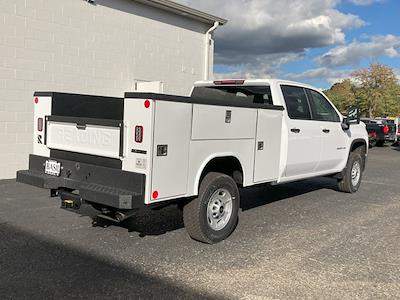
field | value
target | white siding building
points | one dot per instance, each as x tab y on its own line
101	47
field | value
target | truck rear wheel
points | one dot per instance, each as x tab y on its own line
351	181
213	215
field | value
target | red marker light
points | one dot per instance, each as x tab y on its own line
36	100
147	103
155	195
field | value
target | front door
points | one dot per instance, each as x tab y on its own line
334	139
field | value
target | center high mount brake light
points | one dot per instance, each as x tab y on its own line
228	82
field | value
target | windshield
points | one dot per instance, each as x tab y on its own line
252	94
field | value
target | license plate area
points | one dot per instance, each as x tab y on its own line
52	167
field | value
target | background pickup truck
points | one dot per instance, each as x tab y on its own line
154	149
385	130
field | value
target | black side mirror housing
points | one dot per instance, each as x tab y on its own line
353	115
345	124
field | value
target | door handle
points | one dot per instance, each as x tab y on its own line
295	130
326	130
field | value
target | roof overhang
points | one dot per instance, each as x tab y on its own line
184	11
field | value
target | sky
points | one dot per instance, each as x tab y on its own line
318	42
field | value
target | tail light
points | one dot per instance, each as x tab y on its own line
398	130
139	134
40	124
386	129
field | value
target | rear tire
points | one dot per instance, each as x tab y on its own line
372	143
380	143
213	215
351	181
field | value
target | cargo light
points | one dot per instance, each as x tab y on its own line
139	134
386	129
226	82
40	124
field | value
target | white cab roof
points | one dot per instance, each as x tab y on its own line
251	82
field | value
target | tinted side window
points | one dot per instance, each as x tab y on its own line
252	94
322	110
296	102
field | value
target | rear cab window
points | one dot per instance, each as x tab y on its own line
247	94
296	102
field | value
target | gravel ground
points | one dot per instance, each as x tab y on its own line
299	240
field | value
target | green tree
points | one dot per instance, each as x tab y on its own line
377	90
342	94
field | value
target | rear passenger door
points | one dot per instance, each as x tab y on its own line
304	137
333	137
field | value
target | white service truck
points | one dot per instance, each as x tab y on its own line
155	149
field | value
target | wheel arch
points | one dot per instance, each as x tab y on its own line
226	163
360	143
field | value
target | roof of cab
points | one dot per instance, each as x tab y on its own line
266	81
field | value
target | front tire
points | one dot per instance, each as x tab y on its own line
213	215
351	181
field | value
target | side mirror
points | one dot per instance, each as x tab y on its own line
353	115
345	124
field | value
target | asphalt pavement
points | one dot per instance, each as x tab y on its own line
299	240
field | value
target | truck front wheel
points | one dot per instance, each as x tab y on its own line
213	215
351	181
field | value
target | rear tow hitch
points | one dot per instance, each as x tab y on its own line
70	200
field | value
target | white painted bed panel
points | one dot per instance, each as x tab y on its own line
209	122
172	127
136	114
41	109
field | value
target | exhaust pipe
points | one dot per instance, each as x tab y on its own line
117	216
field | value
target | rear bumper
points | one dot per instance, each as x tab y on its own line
100	185
390	137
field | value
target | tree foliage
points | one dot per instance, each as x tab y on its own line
342	94
375	89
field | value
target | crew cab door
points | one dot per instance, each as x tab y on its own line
304	137
326	118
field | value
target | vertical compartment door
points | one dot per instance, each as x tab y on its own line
268	145
172	133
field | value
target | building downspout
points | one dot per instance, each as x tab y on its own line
207	54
